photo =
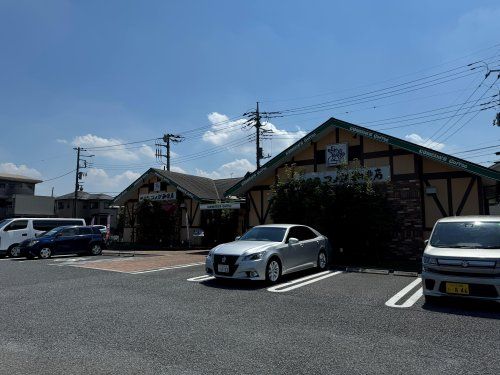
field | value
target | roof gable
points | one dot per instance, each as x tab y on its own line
317	133
195	187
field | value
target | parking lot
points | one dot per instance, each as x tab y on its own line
157	313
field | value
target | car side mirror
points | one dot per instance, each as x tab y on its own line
426	242
292	241
237	238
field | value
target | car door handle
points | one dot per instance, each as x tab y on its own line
24	234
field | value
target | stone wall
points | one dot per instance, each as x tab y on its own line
406	201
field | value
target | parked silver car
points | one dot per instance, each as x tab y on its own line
267	252
462	258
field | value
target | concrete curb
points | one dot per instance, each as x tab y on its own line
381	271
405	273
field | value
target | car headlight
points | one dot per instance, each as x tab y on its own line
33	242
210	254
255	256
429	260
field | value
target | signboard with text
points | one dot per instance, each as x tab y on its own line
336	154
375	174
220	206
159	196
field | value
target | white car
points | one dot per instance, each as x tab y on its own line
462	258
267	252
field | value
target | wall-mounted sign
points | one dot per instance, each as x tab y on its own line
198	233
375	174
157	186
336	154
220	206
159	196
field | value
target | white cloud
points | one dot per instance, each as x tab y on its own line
236	168
99	180
63	141
415	138
21	169
226	132
122	152
177	169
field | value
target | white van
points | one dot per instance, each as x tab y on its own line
16	230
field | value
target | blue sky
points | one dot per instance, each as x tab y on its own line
98	73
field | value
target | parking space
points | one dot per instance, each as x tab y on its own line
335	321
136	262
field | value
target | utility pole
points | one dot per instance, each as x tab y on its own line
79	175
77	184
167	138
254	119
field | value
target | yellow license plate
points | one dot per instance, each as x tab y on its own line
457	288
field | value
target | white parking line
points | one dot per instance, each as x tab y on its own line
199	279
167	268
294	284
411	300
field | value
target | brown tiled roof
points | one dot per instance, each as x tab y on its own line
201	187
83	195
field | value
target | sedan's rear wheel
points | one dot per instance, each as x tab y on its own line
45	253
14	251
273	271
95	249
322	260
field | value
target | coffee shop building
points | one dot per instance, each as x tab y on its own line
196	201
421	184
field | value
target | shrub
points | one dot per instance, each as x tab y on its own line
350	210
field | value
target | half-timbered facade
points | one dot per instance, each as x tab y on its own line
422	184
185	194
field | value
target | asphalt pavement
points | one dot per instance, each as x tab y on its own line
62	318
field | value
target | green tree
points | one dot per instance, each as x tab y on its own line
354	215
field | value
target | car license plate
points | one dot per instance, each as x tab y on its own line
457	288
223	268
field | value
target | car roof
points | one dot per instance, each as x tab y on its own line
455	219
280	225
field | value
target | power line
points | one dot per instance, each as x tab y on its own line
392	79
470	119
55	178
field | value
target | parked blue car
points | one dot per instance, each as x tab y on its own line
64	240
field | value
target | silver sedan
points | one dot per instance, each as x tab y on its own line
267	252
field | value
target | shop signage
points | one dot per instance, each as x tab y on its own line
220	206
375	174
336	154
159	196
157	186
198	233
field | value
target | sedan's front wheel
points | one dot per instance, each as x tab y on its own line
322	260
45	253
273	271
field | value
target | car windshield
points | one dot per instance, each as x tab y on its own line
274	234
51	232
4	222
468	235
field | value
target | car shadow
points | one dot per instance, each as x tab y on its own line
238	284
465	307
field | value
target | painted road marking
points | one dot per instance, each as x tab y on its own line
199	279
411	300
303	281
167	268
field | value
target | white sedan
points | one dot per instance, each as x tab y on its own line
267	252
